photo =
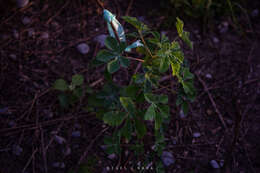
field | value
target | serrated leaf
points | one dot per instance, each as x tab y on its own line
78	92
128	104
124	61
61	85
164	64
113	66
188	87
179	26
77	80
140	128
150	113
111	43
114	118
152	98
105	56
134	22
162	98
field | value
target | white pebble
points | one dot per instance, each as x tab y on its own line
45	35
182	115
83	48
112	156
21	3
209	76
101	39
214	164
167	158
59	139
26	20
15	34
215	40
58	165
75	134
12	56
31	32
196	134
67	151
17	150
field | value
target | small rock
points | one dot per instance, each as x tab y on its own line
112	156
22	3
76	134
17	150
255	13
101	39
3	110
59	139
196	134
66	151
12	123
214	164
174	141
26	20
209	76
167	158
15	34
13	57
31	32
83	48
182	115
209	112
58	165
45	35
215	40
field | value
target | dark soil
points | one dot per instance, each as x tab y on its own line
227	71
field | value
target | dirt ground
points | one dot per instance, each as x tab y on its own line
38	45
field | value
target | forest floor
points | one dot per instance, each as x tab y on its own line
38	45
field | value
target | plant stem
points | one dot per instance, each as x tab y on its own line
136	59
145	45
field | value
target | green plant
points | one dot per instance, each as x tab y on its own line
69	93
128	107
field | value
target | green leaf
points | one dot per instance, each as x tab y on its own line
179	26
105	56
140	128
114	118
185	37
164	64
188	87
64	101
128	104
111	43
124	61
78	92
61	85
152	98
150	113
158	121
187	74
127	129
113	66
77	80
185	107
134	22
175	68
130	91
165	110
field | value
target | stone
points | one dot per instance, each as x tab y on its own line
13	57
215	40
45	35
17	150
101	39
209	76
76	134
21	3
31	32
196	134
112	156
83	48
26	20
214	164
255	13
182	115
15	34
59	139
58	165
66	151
167	158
